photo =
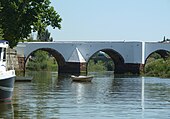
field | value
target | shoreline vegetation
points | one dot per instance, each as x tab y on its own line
154	67
158	68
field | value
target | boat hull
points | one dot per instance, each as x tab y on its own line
6	88
82	78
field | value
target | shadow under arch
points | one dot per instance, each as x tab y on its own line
163	53
116	57
58	57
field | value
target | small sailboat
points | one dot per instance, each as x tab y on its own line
82	78
7	72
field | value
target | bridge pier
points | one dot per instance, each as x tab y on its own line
81	68
21	63
74	68
77	68
128	68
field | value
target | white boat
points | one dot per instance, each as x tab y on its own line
7	73
81	78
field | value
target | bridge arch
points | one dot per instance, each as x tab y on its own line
58	57
116	57
151	47
164	53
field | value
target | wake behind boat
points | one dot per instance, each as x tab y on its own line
7	72
82	78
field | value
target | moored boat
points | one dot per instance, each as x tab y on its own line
81	78
7	73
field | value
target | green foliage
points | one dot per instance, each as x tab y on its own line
100	66
100	62
44	36
97	67
158	68
1	31
109	65
1	34
153	57
42	61
20	17
156	56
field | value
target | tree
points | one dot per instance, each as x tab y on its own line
44	36
20	17
41	60
1	32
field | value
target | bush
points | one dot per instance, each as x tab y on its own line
158	68
97	67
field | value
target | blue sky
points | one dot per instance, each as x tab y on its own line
112	20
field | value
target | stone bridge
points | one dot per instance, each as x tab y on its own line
72	57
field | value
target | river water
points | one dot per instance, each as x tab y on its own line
106	97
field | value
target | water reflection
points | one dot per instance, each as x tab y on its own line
36	99
6	111
81	91
143	94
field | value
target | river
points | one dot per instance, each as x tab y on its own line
106	97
